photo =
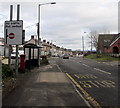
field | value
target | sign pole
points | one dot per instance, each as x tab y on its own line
18	14
10	46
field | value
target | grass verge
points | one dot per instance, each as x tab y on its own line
102	57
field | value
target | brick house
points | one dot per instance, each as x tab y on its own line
115	45
104	41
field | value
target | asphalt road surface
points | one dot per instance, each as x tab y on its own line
97	82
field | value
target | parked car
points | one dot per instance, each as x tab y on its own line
65	56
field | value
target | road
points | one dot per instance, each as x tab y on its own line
96	81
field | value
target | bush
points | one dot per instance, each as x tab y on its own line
6	71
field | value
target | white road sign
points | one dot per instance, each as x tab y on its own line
13	32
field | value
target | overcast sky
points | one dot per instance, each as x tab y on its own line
65	22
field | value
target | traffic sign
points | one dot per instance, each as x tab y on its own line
13	32
11	35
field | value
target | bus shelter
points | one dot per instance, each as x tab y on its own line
31	52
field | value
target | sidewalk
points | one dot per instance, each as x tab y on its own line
44	86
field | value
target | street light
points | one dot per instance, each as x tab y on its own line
83	43
39	30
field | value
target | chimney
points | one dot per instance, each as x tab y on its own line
32	36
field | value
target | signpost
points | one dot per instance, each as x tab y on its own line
14	32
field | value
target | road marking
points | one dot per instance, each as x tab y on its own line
83	98
88	97
102	71
98	84
80	76
85	65
78	92
93	84
58	67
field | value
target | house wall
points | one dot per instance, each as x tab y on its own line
117	44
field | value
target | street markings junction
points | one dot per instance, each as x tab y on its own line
86	82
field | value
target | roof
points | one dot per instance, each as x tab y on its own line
104	40
31	45
115	39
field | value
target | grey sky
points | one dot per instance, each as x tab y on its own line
65	22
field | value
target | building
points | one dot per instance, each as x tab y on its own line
1	46
104	41
45	50
114	47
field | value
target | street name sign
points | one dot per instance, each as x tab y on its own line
13	32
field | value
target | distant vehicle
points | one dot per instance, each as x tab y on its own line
81	55
13	54
65	56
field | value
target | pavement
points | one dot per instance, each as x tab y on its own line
45	86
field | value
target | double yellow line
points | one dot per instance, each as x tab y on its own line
88	97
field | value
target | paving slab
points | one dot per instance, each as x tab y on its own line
44	86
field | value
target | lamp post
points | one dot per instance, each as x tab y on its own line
39	30
83	43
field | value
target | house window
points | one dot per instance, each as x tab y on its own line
106	40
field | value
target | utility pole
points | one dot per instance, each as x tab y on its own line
10	46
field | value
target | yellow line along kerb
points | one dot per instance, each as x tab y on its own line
88	97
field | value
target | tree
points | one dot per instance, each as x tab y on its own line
93	39
94	34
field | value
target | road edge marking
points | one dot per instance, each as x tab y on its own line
88	97
87	103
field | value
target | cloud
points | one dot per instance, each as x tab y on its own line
66	21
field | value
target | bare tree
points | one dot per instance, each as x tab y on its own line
93	39
94	34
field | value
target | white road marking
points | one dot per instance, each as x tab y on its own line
85	65
83	98
58	68
87	103
102	71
